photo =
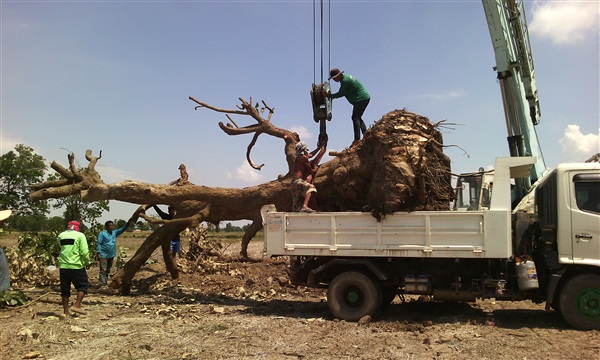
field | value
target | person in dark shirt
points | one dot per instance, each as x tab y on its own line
176	241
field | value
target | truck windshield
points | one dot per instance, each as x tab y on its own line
468	192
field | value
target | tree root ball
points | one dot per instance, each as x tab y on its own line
398	166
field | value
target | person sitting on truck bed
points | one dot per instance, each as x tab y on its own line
303	176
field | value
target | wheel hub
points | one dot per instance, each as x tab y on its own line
588	303
353	297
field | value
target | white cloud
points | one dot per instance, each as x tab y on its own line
304	133
7	144
578	147
246	174
565	22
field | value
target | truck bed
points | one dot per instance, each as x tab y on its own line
435	234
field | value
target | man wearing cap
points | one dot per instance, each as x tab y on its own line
74	258
107	248
356	94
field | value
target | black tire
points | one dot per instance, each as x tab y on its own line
579	302
352	295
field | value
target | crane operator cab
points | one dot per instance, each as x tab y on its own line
474	190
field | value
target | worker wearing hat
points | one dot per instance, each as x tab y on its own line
305	170
356	94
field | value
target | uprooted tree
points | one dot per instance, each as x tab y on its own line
398	166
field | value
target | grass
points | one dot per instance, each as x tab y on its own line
9	239
231	237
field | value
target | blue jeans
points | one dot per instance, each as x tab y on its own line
357	112
105	265
175	248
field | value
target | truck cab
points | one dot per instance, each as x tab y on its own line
568	207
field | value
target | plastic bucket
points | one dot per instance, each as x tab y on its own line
527	275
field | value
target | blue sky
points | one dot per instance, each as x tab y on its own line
116	75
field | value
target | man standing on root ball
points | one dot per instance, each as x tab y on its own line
356	94
73	260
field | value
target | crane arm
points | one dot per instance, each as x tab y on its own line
507	24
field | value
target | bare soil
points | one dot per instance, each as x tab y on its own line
249	310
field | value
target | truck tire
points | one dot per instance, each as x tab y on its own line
352	295
579	302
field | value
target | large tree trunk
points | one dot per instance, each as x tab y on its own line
123	278
398	166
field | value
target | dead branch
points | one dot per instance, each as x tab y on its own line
262	126
249	149
75	181
92	160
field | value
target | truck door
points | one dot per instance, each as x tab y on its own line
585	217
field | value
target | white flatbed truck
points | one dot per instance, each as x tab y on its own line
456	255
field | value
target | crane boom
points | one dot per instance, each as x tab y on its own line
507	24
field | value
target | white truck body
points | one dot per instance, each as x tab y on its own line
431	234
435	234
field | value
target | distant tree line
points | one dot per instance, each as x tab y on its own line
19	169
229	227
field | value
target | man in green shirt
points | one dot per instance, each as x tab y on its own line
356	94
74	258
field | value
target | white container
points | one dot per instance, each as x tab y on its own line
422	283
410	283
416	284
527	275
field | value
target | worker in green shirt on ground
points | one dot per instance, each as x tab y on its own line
74	258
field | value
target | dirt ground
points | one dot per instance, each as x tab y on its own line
248	310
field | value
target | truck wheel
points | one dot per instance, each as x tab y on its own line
580	302
352	295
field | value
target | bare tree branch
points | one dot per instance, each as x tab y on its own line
250	146
262	126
